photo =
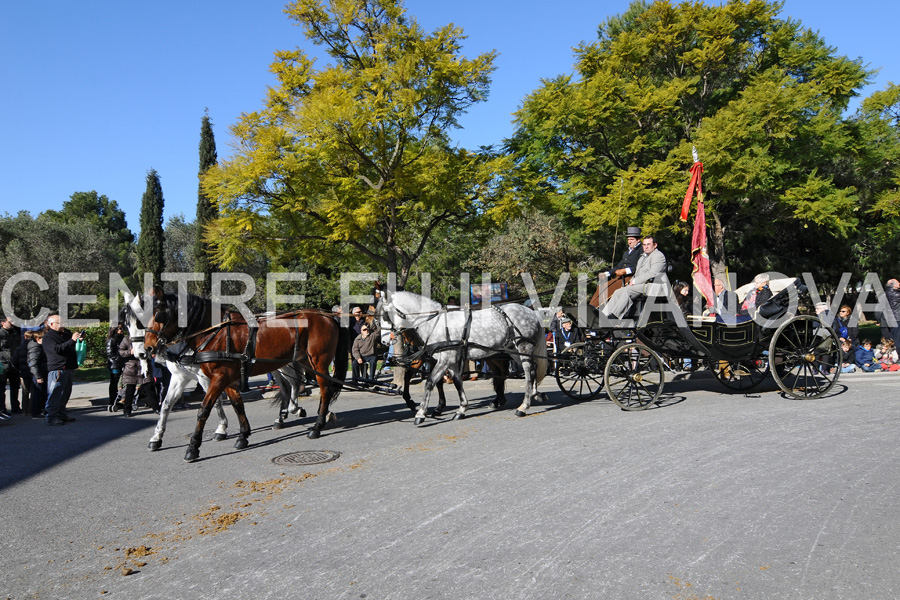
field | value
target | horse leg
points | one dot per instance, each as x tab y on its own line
499	371
222	429
212	395
442	400
437	372
238	404
175	391
283	395
463	399
529	366
407	377
328	393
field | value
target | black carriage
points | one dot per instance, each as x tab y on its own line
800	351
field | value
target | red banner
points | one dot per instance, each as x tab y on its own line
696	172
700	257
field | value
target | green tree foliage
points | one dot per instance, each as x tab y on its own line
206	209
99	210
179	245
49	246
353	159
759	96
150	254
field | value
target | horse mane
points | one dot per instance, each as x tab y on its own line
424	304
199	310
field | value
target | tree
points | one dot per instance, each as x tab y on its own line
760	97
104	213
179	246
150	254
50	246
206	209
354	158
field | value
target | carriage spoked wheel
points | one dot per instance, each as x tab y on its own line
805	356
634	377
740	375
579	371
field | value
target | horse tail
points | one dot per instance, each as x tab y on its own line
540	358
341	360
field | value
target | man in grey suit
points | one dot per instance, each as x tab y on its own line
650	265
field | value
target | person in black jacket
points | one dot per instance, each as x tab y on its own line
37	366
892	291
9	341
20	360
114	360
628	264
59	345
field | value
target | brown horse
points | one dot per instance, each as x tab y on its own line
233	348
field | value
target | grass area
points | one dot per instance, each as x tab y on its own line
86	373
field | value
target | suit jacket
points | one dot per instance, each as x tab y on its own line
727	303
649	266
629	260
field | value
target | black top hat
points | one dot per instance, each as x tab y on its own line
633	232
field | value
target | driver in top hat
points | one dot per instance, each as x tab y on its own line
628	264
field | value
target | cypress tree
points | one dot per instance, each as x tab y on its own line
206	210
150	249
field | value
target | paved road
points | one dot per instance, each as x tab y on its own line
709	496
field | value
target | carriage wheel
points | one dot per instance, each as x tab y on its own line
634	377
803	353
579	371
740	375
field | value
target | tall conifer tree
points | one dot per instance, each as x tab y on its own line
150	249
206	210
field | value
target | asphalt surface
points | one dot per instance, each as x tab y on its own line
710	495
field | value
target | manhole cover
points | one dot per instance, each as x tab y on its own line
306	457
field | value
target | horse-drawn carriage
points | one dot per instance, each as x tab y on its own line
629	360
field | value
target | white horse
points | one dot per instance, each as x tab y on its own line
454	336
185	372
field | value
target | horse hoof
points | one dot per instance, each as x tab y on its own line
436	413
277	425
542	397
191	455
241	443
412	406
302	413
419	420
313	434
154	446
220	437
520	413
459	416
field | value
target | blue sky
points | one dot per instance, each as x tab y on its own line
97	93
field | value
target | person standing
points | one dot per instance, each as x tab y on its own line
114	360
9	341
131	375
59	346
37	367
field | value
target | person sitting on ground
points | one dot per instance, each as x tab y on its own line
842	327
865	357
887	356
651	265
757	297
847	365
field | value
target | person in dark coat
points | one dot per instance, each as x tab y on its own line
756	297
567	334
132	376
892	291
9	341
114	360
37	368
627	265
59	345
20	360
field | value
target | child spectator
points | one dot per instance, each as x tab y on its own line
886	353
865	357
848	365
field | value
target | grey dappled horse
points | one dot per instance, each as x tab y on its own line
508	329
185	373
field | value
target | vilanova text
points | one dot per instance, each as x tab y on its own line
660	299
